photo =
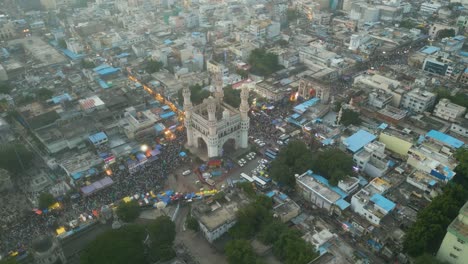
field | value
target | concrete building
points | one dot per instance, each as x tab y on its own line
214	122
396	142
454	247
429	8
349	184
216	219
371	204
136	123
422	181
7	30
372	160
453	44
377	81
316	189
380	99
283	207
440	66
418	101
437	164
448	110
460	127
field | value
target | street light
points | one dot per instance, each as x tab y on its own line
144	148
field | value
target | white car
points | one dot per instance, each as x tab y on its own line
261	144
241	164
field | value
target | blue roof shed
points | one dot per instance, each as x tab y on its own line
383	202
358	140
446	139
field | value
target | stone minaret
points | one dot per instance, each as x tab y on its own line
212	143
245	120
218	83
188	108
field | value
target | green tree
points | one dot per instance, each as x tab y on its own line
62	43
119	246
337	106
128	212
251	217
333	164
87	64
8	261
263	63
5	88
14	157
197	94
44	94
446	33
243	73
232	96
153	66
46	200
293	159
462	169
162	234
240	251
350	117
290	248
409	24
270	233
247	188
192	223
292	14
426	234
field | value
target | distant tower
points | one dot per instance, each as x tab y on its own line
212	139
303	90
188	108
245	120
338	117
218	83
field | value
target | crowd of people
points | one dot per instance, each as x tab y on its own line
149	176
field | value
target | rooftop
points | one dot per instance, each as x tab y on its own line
358	140
459	226
383	202
445	139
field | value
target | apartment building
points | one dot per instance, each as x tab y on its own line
418	101
448	110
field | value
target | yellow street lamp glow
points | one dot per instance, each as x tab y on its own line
144	148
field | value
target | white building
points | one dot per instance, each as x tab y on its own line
74	46
460	127
369	202
372	160
380	99
448	110
418	101
429	8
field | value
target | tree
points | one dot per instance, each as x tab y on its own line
333	164
407	24
5	88
446	33
247	188
44	94
162	234
337	106
290	248
292	15
153	66
62	43
232	96
251	217
240	251
46	200
462	169
350	117
293	159
243	73
192	223
15	157
87	64
197	94
10	260
270	233
118	246
426	234
128	212
263	63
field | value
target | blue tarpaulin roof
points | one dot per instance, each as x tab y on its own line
96	138
159	127
61	98
167	115
123	55
107	71
383	202
103	84
182	154
358	140
444	138
383	126
430	49
301	108
101	67
70	54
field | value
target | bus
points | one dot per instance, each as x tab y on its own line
284	137
270	155
246	177
274	151
260	183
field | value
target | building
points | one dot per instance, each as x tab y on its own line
380	99
460	127
372	160
422	181
453	44
377	81
316	189
349	184
429	8
454	247
358	141
214	122
396	142
283	207
7	30
216	218
438	66
418	101
308	88
437	164
448	110
371	204
49	4
47	250
215	68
